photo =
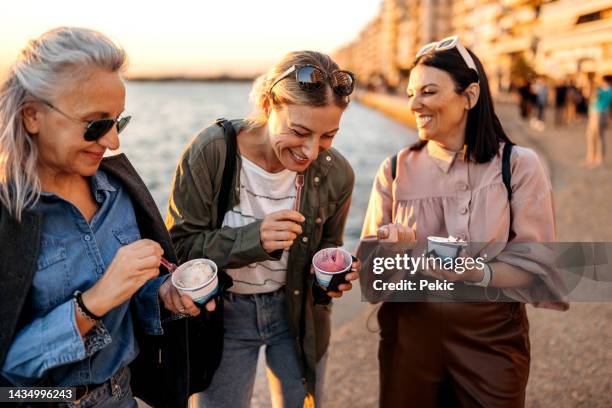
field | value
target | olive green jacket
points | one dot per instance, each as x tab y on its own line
326	198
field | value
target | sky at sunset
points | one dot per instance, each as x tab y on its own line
194	37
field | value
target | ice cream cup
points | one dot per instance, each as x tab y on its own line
190	280
327	279
445	248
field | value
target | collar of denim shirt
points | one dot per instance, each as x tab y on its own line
99	184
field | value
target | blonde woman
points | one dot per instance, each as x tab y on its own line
267	240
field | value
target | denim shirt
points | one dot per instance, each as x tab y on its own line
74	255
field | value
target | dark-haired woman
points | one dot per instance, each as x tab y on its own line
450	183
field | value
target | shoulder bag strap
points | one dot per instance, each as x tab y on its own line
506	173
228	169
394	166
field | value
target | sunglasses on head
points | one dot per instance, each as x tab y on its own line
448	44
311	77
95	129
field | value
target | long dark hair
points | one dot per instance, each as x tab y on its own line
483	132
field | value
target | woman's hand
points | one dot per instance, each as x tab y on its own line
177	303
396	233
279	229
351	276
132	266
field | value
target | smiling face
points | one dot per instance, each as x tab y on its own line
298	133
62	150
441	113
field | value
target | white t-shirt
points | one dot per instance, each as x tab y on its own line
261	193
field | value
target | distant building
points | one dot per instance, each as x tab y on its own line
364	56
557	38
499	32
394	36
575	39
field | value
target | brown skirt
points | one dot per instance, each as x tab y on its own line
453	354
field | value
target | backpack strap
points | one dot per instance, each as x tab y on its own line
506	173
394	166
228	168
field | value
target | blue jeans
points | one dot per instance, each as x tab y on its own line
252	321
116	394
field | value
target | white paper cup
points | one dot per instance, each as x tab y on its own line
199	288
445	248
331	279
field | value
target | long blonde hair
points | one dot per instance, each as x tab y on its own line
40	73
288	91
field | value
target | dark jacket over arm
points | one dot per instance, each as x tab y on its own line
158	379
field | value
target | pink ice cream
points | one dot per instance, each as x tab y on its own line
331	261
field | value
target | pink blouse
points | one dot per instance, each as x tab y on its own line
437	192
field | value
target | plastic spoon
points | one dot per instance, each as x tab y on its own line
169	265
299	183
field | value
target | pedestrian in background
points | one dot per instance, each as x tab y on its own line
541	98
525	98
572	99
560	103
599	111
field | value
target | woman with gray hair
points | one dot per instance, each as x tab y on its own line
82	237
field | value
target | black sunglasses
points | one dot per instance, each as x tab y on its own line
95	129
311	77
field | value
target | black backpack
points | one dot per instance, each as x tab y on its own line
206	330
